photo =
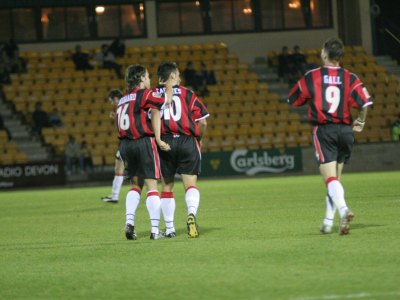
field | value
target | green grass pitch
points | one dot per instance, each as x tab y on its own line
259	240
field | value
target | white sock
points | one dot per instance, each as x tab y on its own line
116	186
168	210
132	203
192	198
153	204
330	211
336	192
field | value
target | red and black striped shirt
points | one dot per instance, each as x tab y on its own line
182	115
131	114
331	91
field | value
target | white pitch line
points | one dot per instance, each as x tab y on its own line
362	295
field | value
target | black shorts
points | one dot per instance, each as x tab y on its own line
118	155
141	158
333	142
183	158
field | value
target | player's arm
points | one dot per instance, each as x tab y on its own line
361	99
156	124
202	126
299	94
358	124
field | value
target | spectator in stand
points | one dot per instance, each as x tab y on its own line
55	118
40	118
3	127
299	62
10	48
189	74
87	157
72	155
396	130
81	59
17	63
5	77
117	47
285	65
107	59
208	76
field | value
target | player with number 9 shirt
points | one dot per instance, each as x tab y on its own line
331	91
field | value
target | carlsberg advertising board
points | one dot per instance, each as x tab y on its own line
251	162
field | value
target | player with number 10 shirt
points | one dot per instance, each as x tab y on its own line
183	126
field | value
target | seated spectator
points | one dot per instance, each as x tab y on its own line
396	130
299	61
5	77
10	48
189	74
72	155
40	118
285	65
17	63
208	76
117	48
87	157
3	127
81	59
107	59
55	118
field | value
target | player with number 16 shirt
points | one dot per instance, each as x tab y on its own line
138	146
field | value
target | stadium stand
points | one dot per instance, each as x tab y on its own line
245	113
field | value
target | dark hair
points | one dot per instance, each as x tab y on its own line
334	48
165	69
133	76
115	93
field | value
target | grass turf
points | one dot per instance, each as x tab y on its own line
259	240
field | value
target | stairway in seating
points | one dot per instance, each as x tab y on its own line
21	134
269	75
390	64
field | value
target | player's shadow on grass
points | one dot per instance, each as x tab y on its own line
202	230
362	226
335	229
181	231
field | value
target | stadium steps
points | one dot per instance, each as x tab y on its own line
270	76
390	64
22	136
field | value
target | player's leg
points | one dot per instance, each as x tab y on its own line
326	139
328	171
153	204
168	206
168	170
345	149
118	180
189	167
330	174
132	203
192	198
330	211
